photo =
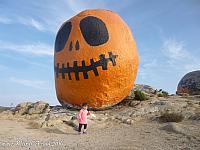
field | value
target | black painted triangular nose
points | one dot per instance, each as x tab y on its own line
77	45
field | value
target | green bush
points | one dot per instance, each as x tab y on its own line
162	93
141	96
165	94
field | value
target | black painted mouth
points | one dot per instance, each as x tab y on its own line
103	62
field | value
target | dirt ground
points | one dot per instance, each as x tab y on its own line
142	135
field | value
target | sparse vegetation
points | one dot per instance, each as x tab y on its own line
171	117
161	93
140	95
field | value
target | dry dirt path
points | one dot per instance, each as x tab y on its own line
140	136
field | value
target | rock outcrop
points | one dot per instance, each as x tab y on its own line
144	88
31	108
43	116
190	84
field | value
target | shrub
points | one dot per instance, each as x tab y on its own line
139	95
171	117
162	93
165	94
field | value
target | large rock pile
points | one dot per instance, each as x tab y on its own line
42	115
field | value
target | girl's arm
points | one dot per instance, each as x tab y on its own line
79	115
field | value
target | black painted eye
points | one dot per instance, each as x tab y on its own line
94	31
62	36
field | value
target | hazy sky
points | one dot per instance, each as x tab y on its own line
167	33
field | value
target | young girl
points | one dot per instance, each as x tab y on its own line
82	118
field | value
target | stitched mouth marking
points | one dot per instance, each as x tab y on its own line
103	62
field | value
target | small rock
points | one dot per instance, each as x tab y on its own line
134	103
128	121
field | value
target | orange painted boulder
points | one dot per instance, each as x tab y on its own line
95	59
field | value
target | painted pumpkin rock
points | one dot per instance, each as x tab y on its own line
190	84
95	60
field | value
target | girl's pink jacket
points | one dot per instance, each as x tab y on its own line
82	116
